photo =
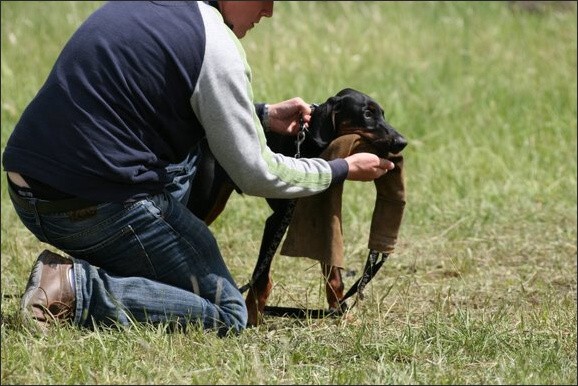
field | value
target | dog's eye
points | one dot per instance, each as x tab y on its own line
368	114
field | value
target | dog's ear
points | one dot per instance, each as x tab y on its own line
321	128
334	103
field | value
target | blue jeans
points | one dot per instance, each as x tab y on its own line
150	260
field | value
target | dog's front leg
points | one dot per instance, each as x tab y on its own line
333	285
257	299
274	230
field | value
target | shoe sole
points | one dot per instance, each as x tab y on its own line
26	314
32	285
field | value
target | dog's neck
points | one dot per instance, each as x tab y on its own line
321	131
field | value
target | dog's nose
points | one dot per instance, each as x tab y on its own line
398	144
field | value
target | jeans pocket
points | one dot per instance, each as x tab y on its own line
120	253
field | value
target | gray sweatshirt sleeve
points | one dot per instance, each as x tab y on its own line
223	102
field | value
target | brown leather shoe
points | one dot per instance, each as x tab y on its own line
49	296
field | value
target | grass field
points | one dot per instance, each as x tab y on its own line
482	286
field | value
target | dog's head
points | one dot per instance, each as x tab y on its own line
353	112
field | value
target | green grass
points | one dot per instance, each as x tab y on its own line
482	287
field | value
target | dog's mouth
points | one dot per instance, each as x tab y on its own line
384	145
387	146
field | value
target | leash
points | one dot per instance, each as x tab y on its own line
374	262
303	131
372	265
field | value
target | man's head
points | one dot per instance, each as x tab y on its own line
241	16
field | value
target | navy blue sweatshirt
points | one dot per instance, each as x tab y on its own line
134	90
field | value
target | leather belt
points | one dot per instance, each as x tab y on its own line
50	207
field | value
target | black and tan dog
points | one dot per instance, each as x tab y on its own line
348	112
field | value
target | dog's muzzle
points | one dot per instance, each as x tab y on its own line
389	145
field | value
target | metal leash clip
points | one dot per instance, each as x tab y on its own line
303	130
300	139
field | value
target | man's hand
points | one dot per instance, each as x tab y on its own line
367	166
284	116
